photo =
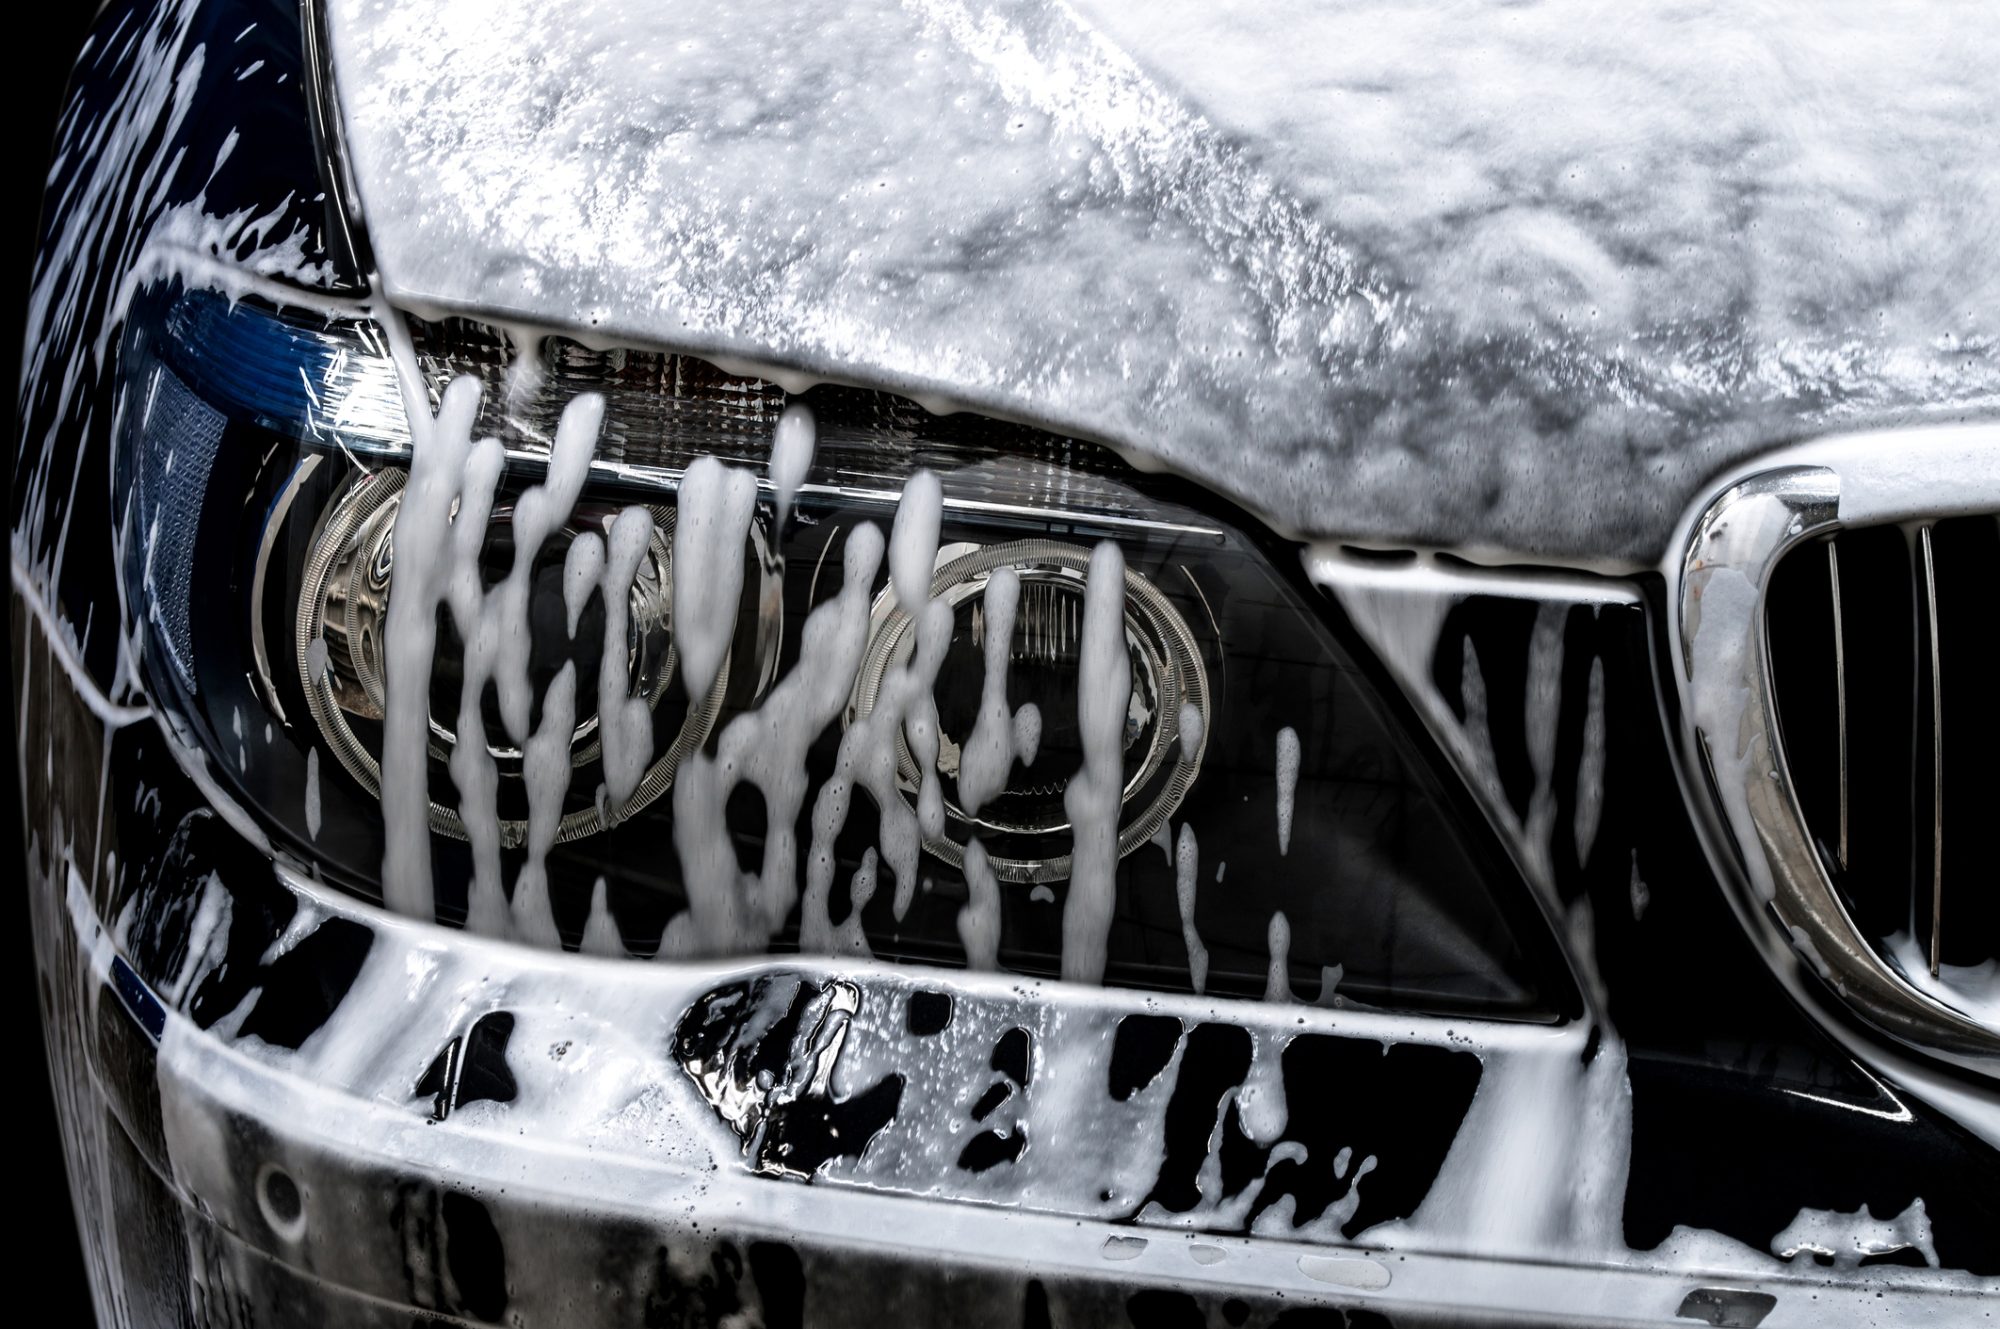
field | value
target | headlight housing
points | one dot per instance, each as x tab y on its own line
1260	822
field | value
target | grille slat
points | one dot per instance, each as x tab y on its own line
1931	635
1879	760
1839	691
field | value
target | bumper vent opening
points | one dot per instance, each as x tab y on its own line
1885	665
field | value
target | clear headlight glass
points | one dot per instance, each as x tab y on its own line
1275	829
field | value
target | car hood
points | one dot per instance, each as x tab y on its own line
1503	278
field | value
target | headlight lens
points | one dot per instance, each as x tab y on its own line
342	620
266	462
1019	815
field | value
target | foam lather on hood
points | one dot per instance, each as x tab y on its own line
1506	277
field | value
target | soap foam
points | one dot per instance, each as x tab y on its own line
714	509
1096	792
1187	862
979	920
1288	784
793	441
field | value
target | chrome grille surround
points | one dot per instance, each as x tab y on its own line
1744	794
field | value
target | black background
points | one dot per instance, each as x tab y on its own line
48	1263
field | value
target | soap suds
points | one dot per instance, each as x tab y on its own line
913	540
988	755
1191	731
1096	792
730	912
1288	784
793	441
904	703
545	769
494	629
312	793
1187	862
440	450
979	920
712	524
1027	732
1278	980
1849	1238
600	930
583	565
624	721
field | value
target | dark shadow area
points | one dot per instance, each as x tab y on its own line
45	49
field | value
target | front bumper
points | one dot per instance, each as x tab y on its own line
283	1106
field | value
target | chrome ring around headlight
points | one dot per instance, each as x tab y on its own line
344	603
1167	658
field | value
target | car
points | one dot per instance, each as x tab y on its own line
1018	663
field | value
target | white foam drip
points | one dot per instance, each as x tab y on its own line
1027	732
1191	731
624	721
538	513
1278	979
1329	985
1260	1100
867	759
206	948
494	627
979	920
600	930
1539	1162
818	933
793	441
525	370
312	793
472	768
1187	863
713	513
730	912
439	449
1221	867
987	758
1096	792
583	565
904	704
545	769
913	540
1288	784
851	936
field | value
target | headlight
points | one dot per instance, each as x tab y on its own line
1094	726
